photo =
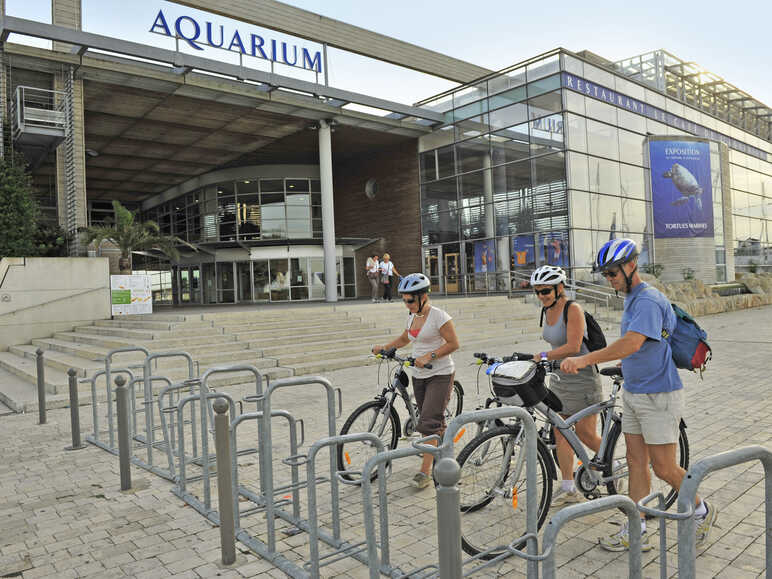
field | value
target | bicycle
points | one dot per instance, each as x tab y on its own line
380	416
492	464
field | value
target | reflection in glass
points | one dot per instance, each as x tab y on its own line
280	282
439	195
545	104
261	280
546	134
510	144
506	117
471	154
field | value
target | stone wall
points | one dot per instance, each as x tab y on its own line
698	299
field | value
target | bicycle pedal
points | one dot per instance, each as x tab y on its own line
596	465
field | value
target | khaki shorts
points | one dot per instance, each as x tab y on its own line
655	416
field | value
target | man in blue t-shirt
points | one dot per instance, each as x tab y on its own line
652	403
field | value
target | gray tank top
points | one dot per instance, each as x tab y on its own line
556	335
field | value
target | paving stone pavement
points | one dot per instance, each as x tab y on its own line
62	513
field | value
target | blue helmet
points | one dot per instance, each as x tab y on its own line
615	252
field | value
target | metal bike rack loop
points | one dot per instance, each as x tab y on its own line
687	549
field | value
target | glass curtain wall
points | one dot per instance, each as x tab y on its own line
493	182
244	210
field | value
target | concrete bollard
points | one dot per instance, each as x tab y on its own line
74	411
124	450
41	386
448	472
224	482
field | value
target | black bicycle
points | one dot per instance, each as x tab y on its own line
381	417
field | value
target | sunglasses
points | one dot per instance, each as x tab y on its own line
610	274
543	292
410	301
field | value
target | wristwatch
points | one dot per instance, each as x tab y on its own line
434	355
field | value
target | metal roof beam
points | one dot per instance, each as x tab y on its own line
15	25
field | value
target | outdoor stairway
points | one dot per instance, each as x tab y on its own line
280	340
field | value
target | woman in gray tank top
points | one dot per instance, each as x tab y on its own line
576	391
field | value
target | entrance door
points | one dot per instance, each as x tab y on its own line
209	287
433	267
452	261
184	285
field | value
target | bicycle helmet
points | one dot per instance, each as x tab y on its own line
548	275
617	252
414	283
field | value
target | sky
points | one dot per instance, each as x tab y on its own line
732	43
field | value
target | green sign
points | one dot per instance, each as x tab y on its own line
121	296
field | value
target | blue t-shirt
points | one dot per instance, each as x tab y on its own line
651	369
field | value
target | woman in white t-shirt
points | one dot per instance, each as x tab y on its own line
434	337
373	269
387	270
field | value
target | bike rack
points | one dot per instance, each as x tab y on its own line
94	437
687	549
112	426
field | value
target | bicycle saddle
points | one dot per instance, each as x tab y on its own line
612	371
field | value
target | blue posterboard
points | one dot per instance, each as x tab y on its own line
484	256
523	252
681	188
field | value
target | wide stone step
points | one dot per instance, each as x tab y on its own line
322	366
154	345
145	335
263	340
56	381
297	327
153	325
93	352
59	360
362	344
235	316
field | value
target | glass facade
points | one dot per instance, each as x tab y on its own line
247	209
544	174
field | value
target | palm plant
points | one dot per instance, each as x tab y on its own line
129	235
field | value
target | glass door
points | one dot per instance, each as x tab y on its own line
184	285
209	287
433	267
262	281
225	282
244	280
452	263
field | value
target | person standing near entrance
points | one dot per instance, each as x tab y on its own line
388	269
373	270
652	402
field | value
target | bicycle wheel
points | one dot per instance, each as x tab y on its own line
372	416
493	489
616	459
456	404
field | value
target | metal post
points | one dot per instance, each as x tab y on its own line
124	450
224	482
41	387
448	472
74	411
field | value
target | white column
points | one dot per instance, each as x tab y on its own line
328	212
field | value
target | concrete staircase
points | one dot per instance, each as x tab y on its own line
280	340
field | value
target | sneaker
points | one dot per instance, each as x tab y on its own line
563	498
620	541
421	480
703	525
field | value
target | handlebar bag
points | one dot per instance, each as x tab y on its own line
519	383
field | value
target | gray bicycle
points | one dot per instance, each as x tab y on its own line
493	464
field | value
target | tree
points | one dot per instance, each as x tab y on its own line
18	210
129	235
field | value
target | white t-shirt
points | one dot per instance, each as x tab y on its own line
375	267
387	268
428	340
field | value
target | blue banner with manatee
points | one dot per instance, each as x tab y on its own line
681	188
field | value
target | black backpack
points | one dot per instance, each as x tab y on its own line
595	339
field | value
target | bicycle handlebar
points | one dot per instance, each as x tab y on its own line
391	354
516	356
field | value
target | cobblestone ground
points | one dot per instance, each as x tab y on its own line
62	513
